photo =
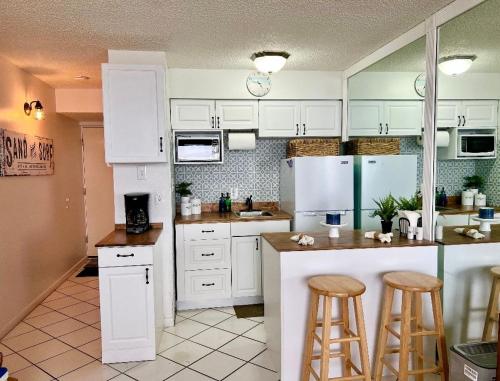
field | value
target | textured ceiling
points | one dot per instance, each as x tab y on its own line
474	32
59	39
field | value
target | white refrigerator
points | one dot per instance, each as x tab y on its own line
378	176
312	186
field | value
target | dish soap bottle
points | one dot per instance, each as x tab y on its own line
222	203
228	202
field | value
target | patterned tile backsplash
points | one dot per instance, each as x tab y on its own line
256	172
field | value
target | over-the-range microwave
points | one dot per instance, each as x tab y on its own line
198	147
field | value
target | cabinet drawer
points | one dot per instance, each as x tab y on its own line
208	284
203	254
125	256
206	231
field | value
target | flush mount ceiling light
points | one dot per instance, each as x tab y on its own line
456	65
28	107
269	62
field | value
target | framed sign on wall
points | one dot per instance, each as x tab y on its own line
25	155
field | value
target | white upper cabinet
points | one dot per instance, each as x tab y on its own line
321	118
467	113
480	113
134	113
237	115
403	118
279	118
385	118
366	118
192	114
195	114
299	118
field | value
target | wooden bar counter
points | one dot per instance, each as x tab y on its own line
287	267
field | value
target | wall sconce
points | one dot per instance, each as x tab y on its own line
28	107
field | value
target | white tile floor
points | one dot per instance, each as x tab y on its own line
60	340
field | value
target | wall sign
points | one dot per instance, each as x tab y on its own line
25	155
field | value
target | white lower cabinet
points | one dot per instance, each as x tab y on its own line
130	300
246	267
453	219
208	284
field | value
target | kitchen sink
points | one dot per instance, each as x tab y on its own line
253	213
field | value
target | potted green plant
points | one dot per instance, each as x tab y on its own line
412	203
473	183
183	190
386	209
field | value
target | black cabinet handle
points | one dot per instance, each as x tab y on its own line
297	133
213	122
304	131
463	125
161	144
459	120
147	275
218	122
256	244
386	128
207	231
208	284
381	128
124	255
207	254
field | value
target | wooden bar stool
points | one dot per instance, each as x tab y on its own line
343	288
413	285
492	313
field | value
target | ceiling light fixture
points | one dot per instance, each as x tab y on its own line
28	107
269	62
456	65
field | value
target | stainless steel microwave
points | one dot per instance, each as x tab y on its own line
198	147
476	144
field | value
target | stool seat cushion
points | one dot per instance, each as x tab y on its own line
412	281
340	286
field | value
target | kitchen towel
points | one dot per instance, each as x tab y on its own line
241	141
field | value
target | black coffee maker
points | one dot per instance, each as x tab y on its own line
137	212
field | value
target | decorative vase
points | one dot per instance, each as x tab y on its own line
185	199
386	226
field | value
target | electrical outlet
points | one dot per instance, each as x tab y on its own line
141	172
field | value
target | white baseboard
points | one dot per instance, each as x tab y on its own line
30	307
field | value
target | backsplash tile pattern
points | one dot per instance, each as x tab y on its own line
254	172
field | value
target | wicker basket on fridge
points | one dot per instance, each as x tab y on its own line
373	146
313	147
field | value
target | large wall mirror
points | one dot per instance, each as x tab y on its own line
385	123
468	171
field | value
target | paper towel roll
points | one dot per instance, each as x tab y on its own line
241	141
442	139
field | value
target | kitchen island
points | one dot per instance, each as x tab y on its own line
464	266
287	267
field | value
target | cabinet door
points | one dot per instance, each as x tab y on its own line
134	113
192	114
320	118
127	313
366	118
279	118
448	113
480	113
246	266
237	115
402	118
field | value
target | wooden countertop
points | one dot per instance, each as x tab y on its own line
349	239
460	209
450	237
119	237
213	217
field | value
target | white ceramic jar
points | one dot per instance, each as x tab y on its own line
195	206
467	198
186	209
480	199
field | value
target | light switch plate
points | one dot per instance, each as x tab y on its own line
141	172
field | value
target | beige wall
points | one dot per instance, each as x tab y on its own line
41	236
